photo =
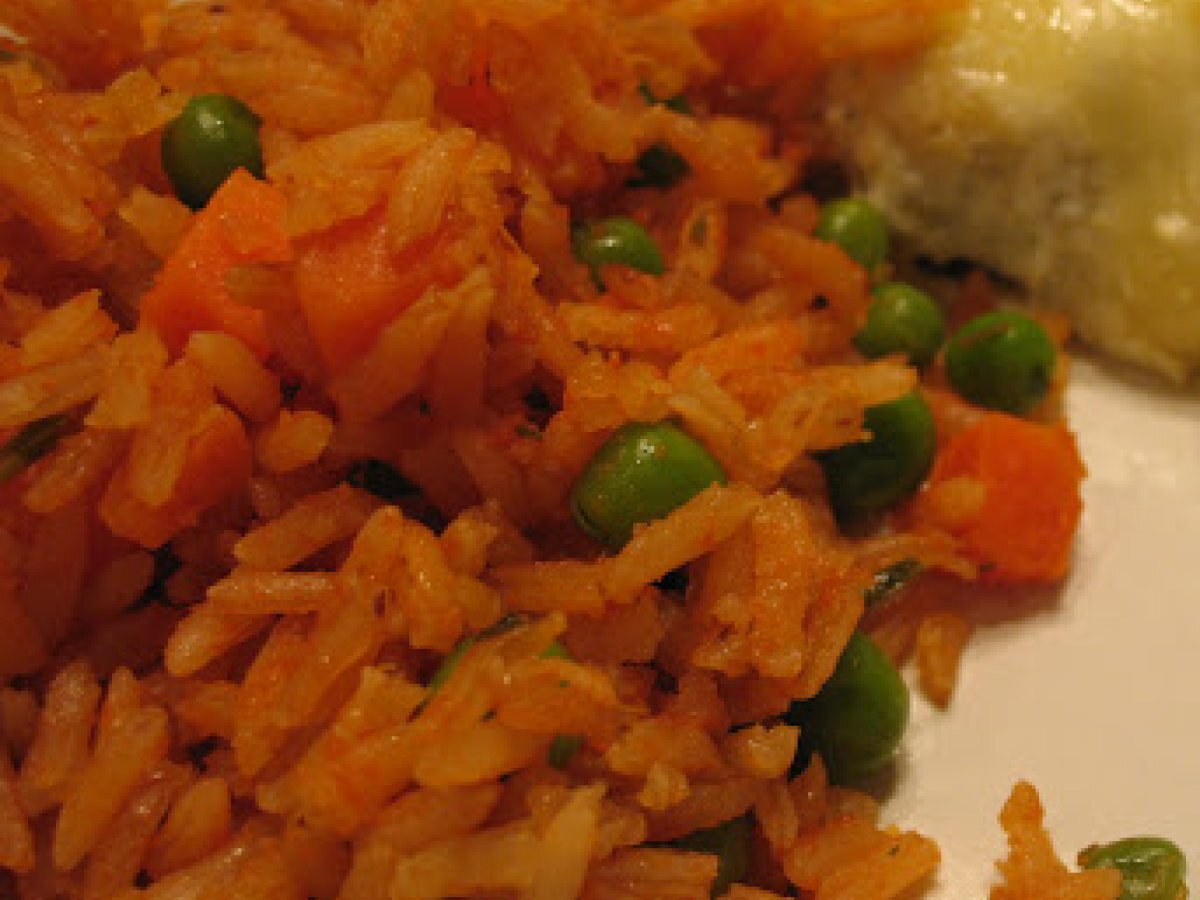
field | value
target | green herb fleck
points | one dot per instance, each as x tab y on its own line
890	580
30	444
562	749
381	479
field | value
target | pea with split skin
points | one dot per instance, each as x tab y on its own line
641	473
213	136
856	720
1003	360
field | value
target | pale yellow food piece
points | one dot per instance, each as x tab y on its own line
1057	141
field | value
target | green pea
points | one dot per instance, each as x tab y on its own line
869	476
659	165
381	479
1002	360
1151	868
29	444
858	228
617	241
450	661
202	146
902	319
730	843
564	746
857	719
641	473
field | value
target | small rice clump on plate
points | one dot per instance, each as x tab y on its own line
310	437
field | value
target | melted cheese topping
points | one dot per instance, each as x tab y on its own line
1058	142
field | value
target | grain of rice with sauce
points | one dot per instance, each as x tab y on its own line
318	432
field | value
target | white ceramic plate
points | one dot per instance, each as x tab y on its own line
1095	696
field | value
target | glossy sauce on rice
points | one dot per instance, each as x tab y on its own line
312	440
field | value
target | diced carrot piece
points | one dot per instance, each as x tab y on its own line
242	224
218	464
351	284
1027	503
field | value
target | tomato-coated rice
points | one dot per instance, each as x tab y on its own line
217	631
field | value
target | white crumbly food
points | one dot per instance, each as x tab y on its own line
1058	143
